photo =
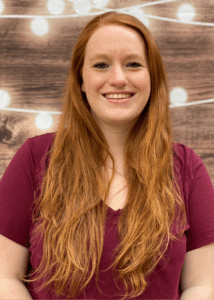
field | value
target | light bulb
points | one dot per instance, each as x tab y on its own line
39	26
186	12
44	121
139	14
82	7
56	7
1	6
100	3
4	99
178	96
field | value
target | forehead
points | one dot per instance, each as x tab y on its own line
115	39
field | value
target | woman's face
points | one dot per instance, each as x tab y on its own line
116	66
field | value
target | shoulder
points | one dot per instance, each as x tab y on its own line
40	145
41	141
191	171
186	159
183	152
31	153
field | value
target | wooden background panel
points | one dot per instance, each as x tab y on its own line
34	69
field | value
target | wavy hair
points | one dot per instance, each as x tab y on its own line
69	213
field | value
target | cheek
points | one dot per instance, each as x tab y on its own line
95	84
146	83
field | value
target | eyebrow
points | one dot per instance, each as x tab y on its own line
105	56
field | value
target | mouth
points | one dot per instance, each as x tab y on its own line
121	96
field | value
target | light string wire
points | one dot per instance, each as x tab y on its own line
119	10
103	9
58	113
96	13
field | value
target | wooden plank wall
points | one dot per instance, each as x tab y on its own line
33	69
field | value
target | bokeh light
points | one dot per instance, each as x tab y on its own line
1	6
186	13
39	26
82	7
56	7
139	14
4	99
44	121
100	3
178	96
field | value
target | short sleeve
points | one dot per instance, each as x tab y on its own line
16	196
200	204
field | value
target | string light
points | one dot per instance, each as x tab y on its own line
178	96
33	111
146	4
100	3
119	10
4	99
82	7
186	13
44	120
1	6
139	14
180	21
56	6
40	26
59	113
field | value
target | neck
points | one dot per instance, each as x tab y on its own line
116	134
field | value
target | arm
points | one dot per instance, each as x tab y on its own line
197	275
13	289
13	265
198	293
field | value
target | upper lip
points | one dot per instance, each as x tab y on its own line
122	92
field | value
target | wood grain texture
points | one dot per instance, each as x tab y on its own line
33	70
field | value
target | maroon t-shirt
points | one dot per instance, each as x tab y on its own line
23	176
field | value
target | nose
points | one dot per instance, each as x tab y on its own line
117	77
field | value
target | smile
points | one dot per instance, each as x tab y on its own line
118	96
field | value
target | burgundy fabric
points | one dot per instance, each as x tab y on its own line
23	177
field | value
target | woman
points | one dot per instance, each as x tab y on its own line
110	215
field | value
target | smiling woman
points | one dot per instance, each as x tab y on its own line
109	205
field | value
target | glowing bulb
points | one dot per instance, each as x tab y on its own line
43	121
39	26
82	7
56	7
178	96
4	99
139	14
186	13
100	3
1	6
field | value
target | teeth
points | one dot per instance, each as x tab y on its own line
118	96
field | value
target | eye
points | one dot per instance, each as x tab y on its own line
100	65
134	64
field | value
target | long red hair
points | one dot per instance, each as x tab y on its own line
68	210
